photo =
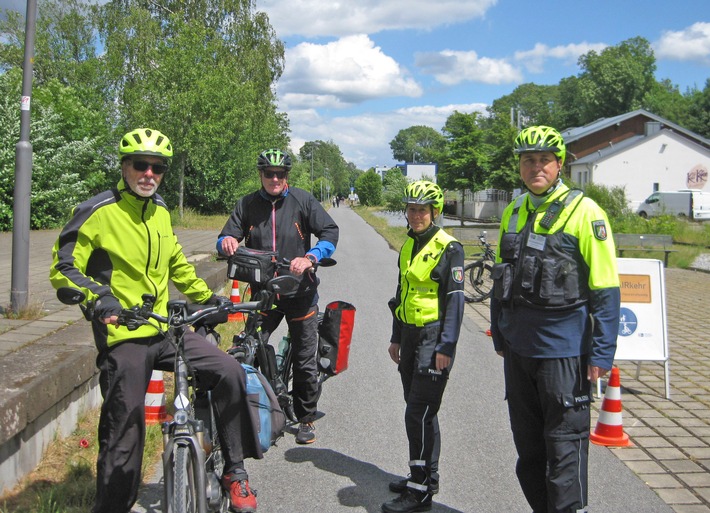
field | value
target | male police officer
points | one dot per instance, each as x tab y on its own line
554	318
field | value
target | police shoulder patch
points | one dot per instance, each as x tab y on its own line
457	274
599	229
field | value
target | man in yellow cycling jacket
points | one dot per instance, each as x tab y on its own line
118	246
554	319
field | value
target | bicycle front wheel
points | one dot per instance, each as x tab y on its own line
481	279
183	492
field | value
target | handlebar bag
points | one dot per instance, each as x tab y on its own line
335	333
252	265
264	408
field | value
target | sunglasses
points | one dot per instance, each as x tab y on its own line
142	165
278	174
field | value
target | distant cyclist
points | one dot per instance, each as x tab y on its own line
428	311
118	246
284	219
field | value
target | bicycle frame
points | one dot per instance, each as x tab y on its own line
189	467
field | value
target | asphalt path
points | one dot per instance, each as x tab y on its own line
361	442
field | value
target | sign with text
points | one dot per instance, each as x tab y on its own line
643	333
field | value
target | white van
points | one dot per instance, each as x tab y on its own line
688	203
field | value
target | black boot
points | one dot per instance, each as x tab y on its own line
408	502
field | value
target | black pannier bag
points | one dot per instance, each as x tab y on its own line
252	265
335	333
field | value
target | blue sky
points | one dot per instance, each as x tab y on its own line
359	71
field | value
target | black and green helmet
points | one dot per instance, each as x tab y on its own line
424	192
541	138
274	158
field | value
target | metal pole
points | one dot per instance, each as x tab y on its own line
311	170
23	176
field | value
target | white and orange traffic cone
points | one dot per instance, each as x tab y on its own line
609	430
234	298
155	410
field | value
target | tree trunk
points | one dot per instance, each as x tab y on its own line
181	188
463	201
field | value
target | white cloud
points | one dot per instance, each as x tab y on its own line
534	60
340	74
690	44
314	18
364	139
452	67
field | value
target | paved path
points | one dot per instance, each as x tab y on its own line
671	452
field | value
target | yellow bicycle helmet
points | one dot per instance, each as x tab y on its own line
541	138
423	192
145	141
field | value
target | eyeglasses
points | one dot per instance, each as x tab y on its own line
278	174
142	165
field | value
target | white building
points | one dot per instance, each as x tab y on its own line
639	151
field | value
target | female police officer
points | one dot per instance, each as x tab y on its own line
428	311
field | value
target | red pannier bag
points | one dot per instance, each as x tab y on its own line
335	333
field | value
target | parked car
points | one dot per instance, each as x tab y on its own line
688	203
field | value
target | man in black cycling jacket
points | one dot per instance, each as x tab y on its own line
281	218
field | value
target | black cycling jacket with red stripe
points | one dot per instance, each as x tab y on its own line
284	224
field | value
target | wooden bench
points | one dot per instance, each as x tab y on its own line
644	242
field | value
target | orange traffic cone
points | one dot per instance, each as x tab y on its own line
609	430
234	298
155	410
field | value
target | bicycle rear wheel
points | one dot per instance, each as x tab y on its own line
481	280
183	494
469	292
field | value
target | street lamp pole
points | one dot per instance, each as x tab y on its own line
23	176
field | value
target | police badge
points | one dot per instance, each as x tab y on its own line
599	228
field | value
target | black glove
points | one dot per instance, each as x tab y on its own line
107	306
217	300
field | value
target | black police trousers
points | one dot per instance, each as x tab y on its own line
423	392
548	403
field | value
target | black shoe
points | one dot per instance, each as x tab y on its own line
401	485
408	502
306	433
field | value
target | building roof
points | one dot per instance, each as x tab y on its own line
571	135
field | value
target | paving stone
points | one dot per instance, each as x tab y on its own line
661	481
677	496
695	479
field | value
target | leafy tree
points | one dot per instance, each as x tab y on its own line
617	79
329	166
465	160
529	104
569	111
503	169
202	73
369	188
611	199
64	171
417	144
394	183
699	111
665	100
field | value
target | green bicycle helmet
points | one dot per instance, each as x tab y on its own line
423	192
145	141
274	158
541	138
